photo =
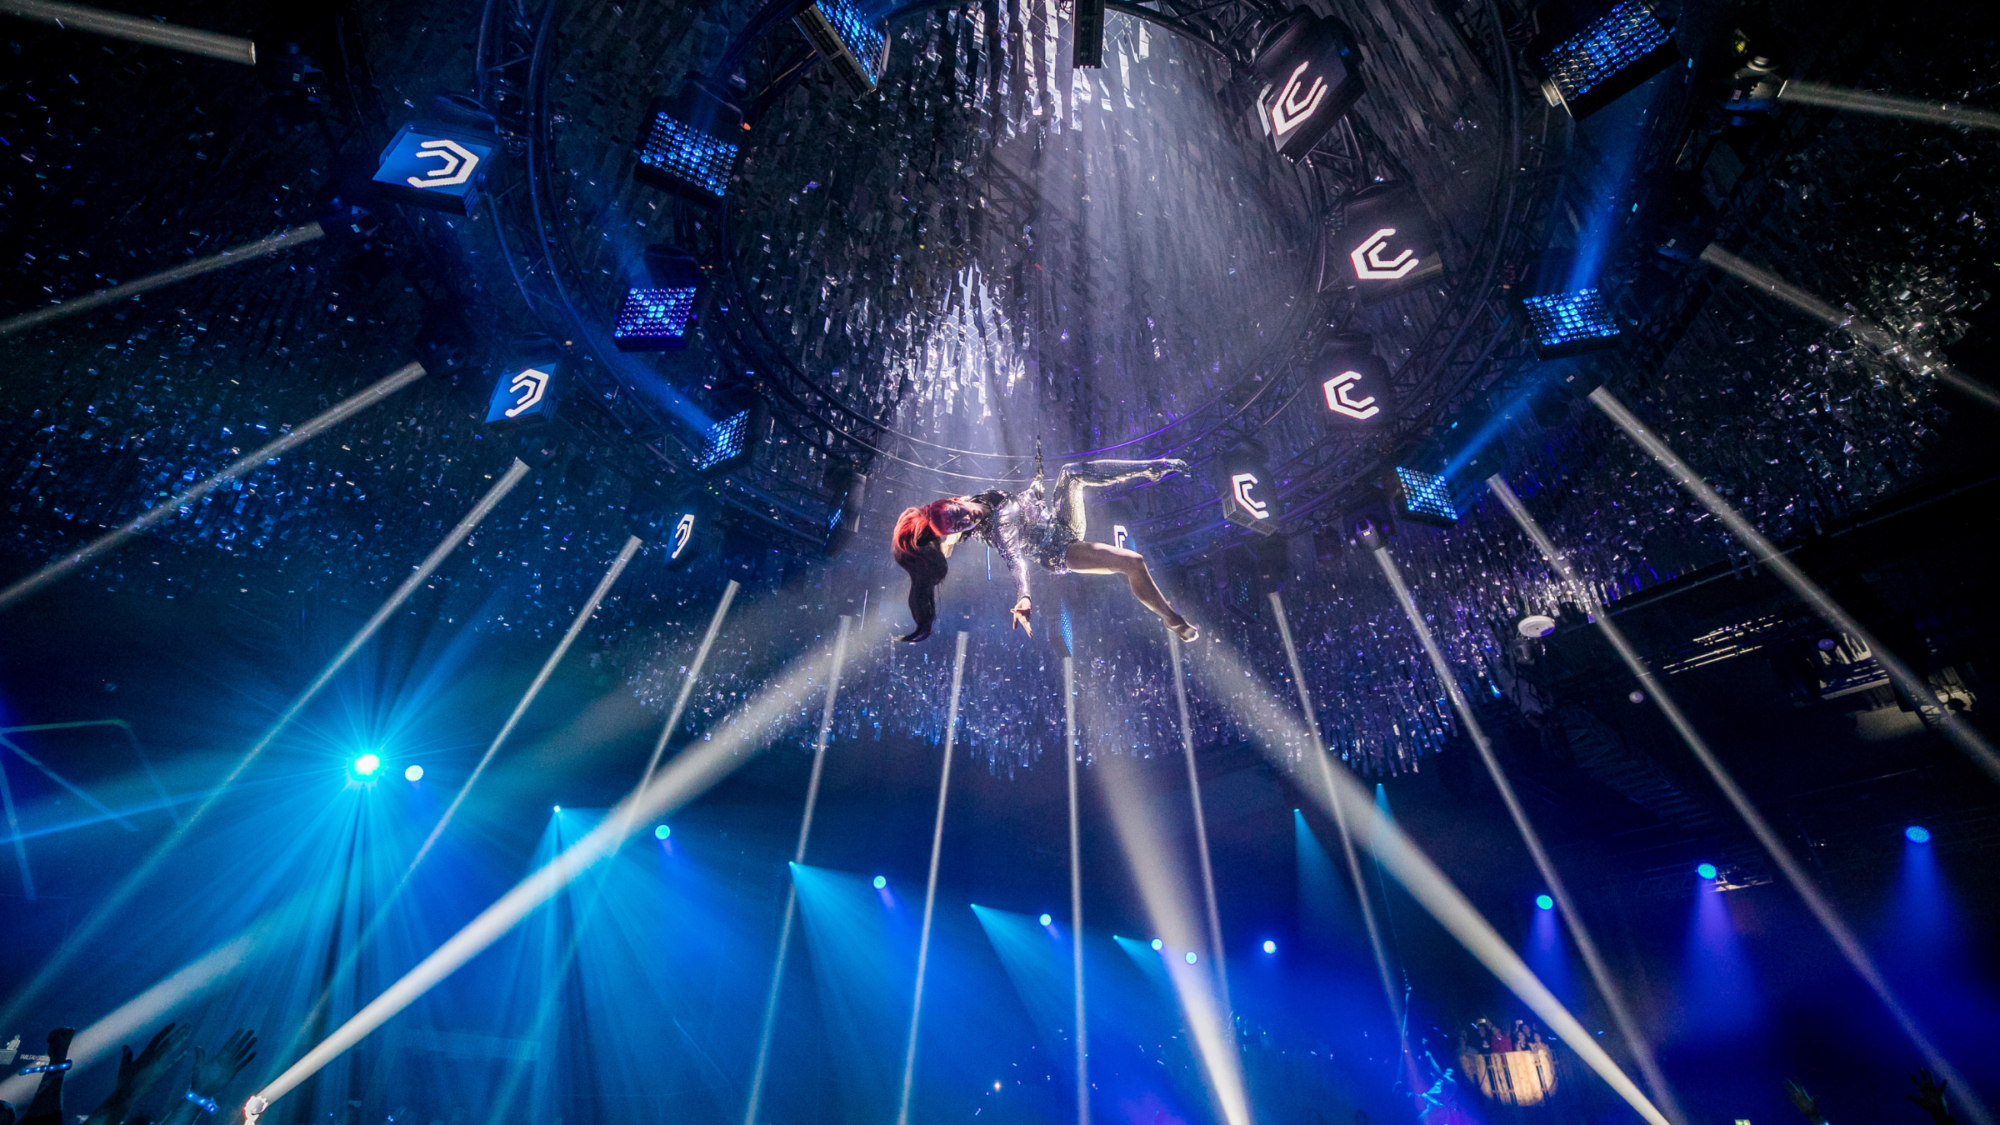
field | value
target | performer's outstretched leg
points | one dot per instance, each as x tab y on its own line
1079	475
1102	558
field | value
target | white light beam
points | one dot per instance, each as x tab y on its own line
97	299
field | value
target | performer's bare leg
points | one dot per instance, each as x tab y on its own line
1102	558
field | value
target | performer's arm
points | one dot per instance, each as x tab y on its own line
1017	565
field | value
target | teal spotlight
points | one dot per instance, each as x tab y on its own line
366	765
414	773
1191	958
881	881
1917	834
1706	870
1544	902
662	832
1270	946
1157	943
1046	920
558	808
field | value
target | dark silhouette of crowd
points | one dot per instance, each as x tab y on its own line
1929	1097
137	1077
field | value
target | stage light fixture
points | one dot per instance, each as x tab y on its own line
1270	946
1249	494
850	484
1046	920
1570	323
689	144
662	832
1191	957
657	313
1544	902
527	390
1355	383
1385	245
1917	834
1306	68
1422	497
1705	870
365	765
881	882
853	47
1535	625
414	773
436	166
1087	31
1599	52
727	443
1157	944
557	808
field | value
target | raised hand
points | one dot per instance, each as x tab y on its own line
1930	1095
212	1073
59	1044
1167	466
1020	614
1804	1101
160	1055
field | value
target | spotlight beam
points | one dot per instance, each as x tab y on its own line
114	539
1836	927
1888	105
583	616
1607	987
930	886
235	255
124	728
1429	886
764	1035
686	777
1862	329
132	29
139	874
20	841
1200	831
1076	894
1325	761
687	682
1955	729
59	779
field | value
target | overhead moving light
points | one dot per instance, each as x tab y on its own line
436	166
1355	383
855	49
1249	494
655	316
729	440
1306	70
1087	29
527	390
850	484
1570	323
1422	497
1598	51
1385	245
365	766
689	144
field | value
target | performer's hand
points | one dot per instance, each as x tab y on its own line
1020	614
1167	468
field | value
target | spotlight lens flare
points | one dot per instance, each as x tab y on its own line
1191	958
662	832
880	882
1270	946
1046	920
1917	834
1705	870
1544	902
367	764
1157	943
414	773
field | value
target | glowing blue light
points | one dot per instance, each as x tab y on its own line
726	441
1705	870
1619	38
558	808
1544	902
1426	494
366	765
1917	834
688	155
1046	919
1191	958
662	832
654	316
414	773
861	40
1270	946
1157	943
880	882
1568	320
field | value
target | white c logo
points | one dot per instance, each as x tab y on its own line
530	385
1239	487
1119	536
1340	402
458	164
1368	263
678	541
1292	105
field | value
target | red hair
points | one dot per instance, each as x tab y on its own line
918	547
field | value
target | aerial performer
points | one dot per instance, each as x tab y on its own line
1042	524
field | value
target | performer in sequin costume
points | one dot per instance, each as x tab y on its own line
1042	524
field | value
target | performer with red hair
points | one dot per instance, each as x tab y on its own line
1039	524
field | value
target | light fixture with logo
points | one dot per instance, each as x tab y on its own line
1249	494
527	390
436	166
1385	246
1355	383
1306	70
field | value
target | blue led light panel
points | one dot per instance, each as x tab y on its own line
1426	495
861	40
1569	322
687	155
728	441
653	319
1619	39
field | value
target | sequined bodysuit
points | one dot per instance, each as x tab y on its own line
1039	523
